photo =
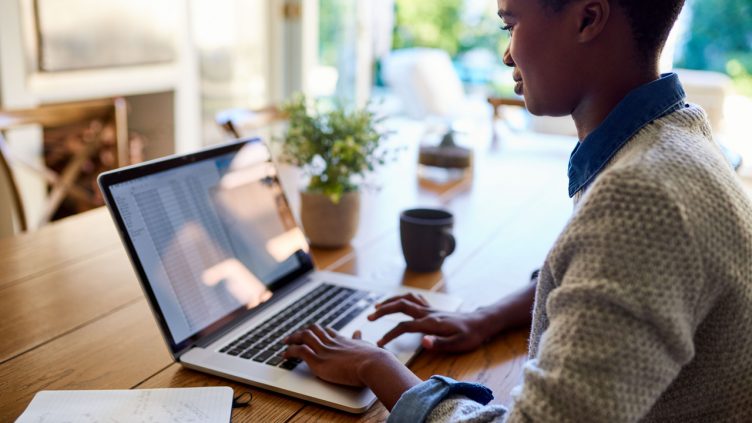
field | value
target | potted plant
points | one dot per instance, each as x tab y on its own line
335	148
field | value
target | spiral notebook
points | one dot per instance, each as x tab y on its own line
212	404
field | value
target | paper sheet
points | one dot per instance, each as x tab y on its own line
133	405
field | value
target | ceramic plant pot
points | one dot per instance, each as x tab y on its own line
326	224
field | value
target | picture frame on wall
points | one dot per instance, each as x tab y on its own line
90	34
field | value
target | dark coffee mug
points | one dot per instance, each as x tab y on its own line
427	239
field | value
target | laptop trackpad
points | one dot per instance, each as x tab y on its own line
403	346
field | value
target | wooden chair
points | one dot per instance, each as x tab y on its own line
62	183
497	102
238	122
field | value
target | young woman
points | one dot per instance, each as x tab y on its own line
643	307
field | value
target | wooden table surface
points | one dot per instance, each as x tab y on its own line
74	316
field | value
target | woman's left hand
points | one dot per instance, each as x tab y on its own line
333	357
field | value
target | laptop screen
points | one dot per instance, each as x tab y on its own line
212	235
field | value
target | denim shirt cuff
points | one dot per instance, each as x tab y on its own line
417	402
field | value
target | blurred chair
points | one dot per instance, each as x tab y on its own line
425	81
61	184
497	103
709	90
12	216
239	122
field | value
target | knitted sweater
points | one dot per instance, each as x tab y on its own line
643	307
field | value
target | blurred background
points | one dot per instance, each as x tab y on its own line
174	72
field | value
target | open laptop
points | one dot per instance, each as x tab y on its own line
228	275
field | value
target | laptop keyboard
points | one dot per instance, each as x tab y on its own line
328	305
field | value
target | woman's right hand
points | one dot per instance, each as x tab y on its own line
444	331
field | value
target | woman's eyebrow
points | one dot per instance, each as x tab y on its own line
504	14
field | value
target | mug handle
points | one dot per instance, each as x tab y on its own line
450	241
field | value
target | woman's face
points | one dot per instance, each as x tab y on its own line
542	53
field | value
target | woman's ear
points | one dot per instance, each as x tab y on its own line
592	18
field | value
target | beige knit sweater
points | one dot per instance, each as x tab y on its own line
644	304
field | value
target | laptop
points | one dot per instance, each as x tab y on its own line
228	274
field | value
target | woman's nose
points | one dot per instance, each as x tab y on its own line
507	58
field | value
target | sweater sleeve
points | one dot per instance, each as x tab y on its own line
443	399
622	318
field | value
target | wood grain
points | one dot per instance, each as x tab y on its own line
72	239
53	303
115	352
74	316
504	264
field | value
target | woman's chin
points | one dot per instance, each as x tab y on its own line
533	107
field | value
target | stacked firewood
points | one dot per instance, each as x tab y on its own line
92	145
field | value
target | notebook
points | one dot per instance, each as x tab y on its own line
210	405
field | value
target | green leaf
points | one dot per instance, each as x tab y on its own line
348	141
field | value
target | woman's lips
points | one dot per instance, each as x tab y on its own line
518	88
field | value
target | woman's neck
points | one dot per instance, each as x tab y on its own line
604	96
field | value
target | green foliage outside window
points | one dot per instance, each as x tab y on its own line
428	24
331	28
443	24
720	38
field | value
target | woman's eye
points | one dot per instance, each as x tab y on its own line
507	28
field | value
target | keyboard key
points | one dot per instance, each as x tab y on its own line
289	364
263	356
275	360
277	347
261	345
348	318
250	353
234	352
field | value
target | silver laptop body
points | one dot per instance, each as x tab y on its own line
227	272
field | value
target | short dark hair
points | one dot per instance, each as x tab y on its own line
651	21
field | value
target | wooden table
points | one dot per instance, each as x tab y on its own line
74	316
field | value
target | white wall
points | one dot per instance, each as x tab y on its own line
23	86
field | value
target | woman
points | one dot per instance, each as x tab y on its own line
643	307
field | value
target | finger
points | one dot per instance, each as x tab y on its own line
444	343
389	300
306	337
409	326
357	335
321	334
416	311
294	338
302	352
332	333
418	299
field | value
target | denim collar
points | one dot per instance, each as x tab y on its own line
640	107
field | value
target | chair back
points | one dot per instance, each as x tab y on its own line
12	216
239	123
61	183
